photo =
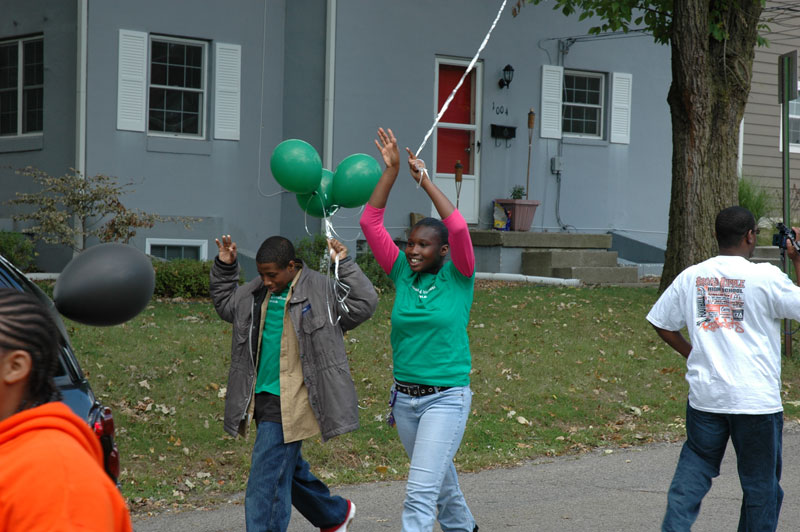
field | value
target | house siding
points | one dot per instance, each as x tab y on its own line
761	153
54	150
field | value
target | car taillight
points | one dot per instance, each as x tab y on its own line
104	428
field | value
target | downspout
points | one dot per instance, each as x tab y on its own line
330	84
330	78
80	103
740	155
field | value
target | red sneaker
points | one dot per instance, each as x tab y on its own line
351	513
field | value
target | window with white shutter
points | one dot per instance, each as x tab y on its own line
574	104
177	89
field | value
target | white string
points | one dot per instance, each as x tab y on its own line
458	85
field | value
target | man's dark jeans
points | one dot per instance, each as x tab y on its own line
758	441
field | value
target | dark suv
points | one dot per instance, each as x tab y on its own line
75	389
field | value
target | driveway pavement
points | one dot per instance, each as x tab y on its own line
623	490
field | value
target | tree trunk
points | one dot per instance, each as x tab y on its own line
710	85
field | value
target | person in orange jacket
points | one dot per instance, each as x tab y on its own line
51	464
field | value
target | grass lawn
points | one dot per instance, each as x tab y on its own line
555	370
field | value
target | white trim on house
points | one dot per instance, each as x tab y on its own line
227	90
552	88
185	242
202	91
621	96
132	80
468	201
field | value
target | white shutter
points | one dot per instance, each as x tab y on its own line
621	87
227	90
132	80
550	122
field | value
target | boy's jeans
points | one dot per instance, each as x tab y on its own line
431	428
280	478
758	443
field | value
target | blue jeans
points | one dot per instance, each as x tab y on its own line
758	441
280	478
431	428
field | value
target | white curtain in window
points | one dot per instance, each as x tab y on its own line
227	90
132	80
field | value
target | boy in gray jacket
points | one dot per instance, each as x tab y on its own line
289	372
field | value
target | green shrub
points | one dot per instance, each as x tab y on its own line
47	286
374	272
755	198
17	248
312	251
184	278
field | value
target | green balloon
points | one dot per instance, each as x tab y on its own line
296	166
354	180
319	203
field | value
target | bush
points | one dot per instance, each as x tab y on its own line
184	278
312	251
755	198
17	248
47	286
374	272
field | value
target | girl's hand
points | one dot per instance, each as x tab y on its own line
415	166
388	148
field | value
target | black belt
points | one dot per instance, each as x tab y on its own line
419	390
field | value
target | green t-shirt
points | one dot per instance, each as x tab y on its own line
429	325
269	364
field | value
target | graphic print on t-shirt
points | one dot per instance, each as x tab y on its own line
720	303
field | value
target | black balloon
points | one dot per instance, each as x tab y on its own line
107	284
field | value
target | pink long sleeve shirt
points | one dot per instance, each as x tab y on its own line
431	311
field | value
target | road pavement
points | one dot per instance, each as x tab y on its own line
621	490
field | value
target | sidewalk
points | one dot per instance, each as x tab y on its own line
624	490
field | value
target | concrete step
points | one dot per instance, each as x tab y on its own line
530	239
542	262
599	274
768	252
775	262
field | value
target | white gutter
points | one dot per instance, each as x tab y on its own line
330	79
330	86
80	90
82	16
518	277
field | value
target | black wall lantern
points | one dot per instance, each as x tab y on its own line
508	75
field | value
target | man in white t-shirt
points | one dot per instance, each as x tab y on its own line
733	310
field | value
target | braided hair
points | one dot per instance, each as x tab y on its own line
25	324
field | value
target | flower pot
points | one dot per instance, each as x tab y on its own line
521	212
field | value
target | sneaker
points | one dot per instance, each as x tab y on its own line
351	513
475	529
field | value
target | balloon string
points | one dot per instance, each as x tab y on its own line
458	85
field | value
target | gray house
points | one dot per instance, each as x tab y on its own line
188	98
